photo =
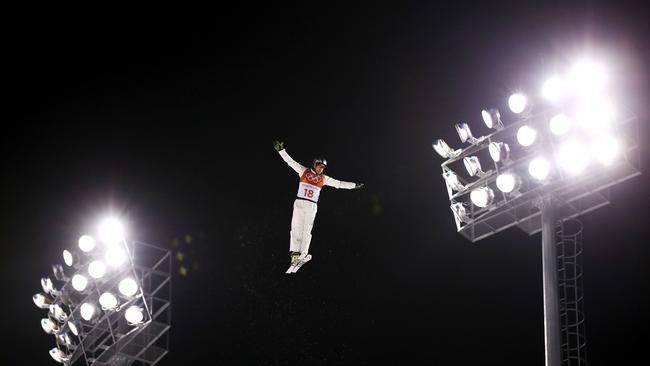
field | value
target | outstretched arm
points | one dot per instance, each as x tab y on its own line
329	181
279	147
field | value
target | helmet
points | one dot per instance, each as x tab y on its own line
319	160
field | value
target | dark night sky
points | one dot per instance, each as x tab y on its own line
167	115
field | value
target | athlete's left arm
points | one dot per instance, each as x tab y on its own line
329	181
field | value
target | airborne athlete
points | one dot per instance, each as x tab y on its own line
305	206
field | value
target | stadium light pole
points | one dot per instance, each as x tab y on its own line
552	336
542	175
113	306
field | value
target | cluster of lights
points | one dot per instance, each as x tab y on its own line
96	267
579	127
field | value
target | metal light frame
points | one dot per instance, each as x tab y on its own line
542	205
575	195
108	339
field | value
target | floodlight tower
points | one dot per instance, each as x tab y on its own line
546	168
111	304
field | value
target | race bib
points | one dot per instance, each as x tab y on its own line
308	191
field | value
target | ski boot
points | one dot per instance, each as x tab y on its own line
294	257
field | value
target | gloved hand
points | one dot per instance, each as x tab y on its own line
278	145
358	185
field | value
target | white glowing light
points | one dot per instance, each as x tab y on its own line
554	89
87	311
492	118
517	103
596	115
67	258
499	151
86	243
108	301
128	287
573	157
539	168
507	182
482	197
526	135
587	78
96	269
115	256
605	149
111	231
73	328
134	315
560	124
79	282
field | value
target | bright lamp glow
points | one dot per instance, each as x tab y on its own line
605	149
79	282
42	301
526	135
111	231
499	151
560	124
96	269
554	89
115	256
482	197
595	115
108	301
452	180
87	311
507	182
573	157
134	315
587	78
86	243
517	103
59	356
49	326
67	258
73	328
128	287
444	150
539	168
492	118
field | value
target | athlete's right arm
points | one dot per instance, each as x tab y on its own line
292	163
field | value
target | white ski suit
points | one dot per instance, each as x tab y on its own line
305	205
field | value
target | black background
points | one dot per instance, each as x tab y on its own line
165	116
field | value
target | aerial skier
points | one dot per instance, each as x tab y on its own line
305	206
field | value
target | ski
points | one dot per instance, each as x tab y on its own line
299	263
